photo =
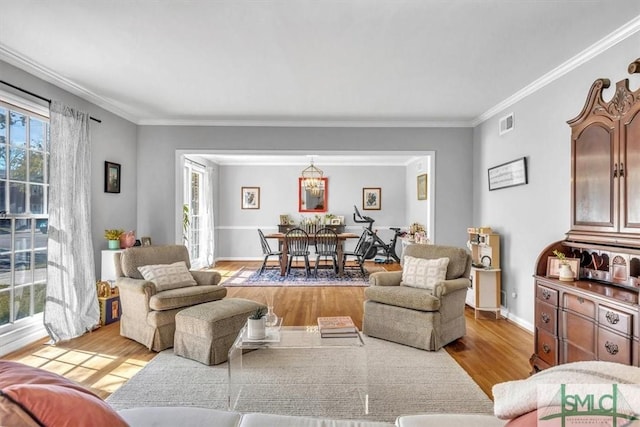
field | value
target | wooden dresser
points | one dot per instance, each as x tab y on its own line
596	316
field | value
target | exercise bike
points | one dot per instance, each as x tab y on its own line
374	245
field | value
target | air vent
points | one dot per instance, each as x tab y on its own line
506	124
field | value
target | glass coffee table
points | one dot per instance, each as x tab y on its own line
296	369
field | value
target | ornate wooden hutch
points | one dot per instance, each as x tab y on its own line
596	316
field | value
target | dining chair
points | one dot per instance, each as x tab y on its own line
358	253
267	252
326	242
297	241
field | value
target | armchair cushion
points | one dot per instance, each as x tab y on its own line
403	296
168	276
423	273
186	297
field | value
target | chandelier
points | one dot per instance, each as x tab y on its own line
312	179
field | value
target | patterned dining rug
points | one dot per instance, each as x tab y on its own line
297	277
400	380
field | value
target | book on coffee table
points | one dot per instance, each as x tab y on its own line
337	327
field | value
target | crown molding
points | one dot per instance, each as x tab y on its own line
627	30
55	79
309	123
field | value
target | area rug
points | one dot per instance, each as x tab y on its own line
401	380
297	277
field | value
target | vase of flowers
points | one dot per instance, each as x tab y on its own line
565	273
113	237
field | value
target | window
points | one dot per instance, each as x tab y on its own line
194	232
24	159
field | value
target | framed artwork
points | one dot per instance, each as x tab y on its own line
145	241
371	199
553	266
111	177
335	221
422	187
508	174
250	197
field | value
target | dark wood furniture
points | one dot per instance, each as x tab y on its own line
596	317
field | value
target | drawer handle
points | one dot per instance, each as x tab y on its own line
546	294
545	317
581	300
611	348
612	317
547	349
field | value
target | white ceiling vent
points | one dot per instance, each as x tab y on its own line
506	124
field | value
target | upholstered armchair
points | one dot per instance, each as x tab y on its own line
155	283
423	305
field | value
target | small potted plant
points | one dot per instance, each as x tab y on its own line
113	237
565	273
256	324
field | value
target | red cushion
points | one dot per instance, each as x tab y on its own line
53	400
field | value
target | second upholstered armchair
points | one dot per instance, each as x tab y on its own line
423	305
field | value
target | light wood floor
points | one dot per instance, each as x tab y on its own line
493	351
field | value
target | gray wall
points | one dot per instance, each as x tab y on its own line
114	139
530	217
157	146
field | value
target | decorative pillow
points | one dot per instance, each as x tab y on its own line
49	399
423	273
168	276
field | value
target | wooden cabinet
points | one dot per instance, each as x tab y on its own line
605	167
596	317
581	320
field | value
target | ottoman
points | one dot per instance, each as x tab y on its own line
205	332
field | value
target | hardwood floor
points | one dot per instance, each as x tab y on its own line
493	351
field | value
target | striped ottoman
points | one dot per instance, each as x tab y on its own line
205	332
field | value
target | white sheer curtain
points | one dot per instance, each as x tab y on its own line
71	306
209	192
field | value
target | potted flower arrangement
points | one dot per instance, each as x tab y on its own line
256	324
564	273
113	237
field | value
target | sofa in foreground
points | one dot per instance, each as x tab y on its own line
35	397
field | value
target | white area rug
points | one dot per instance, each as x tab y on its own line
401	380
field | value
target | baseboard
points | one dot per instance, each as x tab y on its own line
517	320
21	337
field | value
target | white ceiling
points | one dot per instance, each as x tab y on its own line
306	62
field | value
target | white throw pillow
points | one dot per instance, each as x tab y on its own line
423	273
168	276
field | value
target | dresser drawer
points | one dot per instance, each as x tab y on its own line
547	347
548	295
613	347
614	319
573	353
580	305
546	317
580	331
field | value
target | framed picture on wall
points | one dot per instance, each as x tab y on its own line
422	187
250	198
111	177
372	199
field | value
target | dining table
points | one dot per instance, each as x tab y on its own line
342	237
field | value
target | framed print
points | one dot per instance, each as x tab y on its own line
111	177
250	197
422	187
335	221
145	241
553	266
371	199
508	174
